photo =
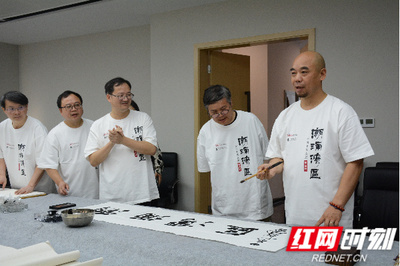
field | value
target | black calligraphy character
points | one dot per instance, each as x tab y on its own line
21	146
245	160
188	222
236	230
148	217
107	210
138	129
245	150
314	174
316	146
142	157
208	222
247	171
317	133
316	158
270	235
242	140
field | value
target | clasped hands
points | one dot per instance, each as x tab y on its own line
116	135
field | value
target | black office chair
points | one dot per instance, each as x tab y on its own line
168	188
387	165
380	201
8	180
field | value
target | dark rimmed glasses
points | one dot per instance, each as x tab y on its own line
223	112
70	106
122	96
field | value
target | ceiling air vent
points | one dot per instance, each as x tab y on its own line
11	10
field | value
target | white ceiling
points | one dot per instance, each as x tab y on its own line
101	16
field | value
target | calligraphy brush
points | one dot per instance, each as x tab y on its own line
269	168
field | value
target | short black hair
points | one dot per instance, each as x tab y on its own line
65	94
109	87
134	105
15	97
216	93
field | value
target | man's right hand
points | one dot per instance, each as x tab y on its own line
264	173
63	188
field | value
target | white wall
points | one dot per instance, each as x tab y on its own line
9	71
280	59
84	64
358	38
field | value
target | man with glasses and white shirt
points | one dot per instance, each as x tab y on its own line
121	144
230	146
63	151
21	143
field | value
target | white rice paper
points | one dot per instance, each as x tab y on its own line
243	233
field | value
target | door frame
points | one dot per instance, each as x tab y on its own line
200	78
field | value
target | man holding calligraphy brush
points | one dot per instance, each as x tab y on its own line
322	144
231	145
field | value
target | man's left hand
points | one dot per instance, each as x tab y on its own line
24	190
331	217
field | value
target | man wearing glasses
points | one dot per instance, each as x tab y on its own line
63	151
231	145
21	143
121	144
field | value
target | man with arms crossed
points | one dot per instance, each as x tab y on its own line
63	156
322	144
121	144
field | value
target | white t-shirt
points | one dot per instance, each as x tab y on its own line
21	149
233	153
63	150
316	145
125	175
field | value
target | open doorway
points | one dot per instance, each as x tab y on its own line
267	95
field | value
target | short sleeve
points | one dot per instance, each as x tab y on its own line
202	163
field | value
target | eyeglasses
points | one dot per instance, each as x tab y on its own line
70	106
223	112
122	96
12	109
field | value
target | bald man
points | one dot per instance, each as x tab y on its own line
322	144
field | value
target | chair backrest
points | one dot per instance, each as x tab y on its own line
380	201
387	165
169	174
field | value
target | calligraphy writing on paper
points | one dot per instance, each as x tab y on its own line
270	235
148	217
237	230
